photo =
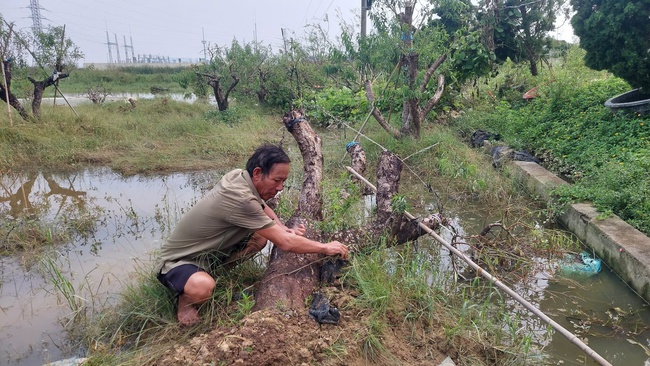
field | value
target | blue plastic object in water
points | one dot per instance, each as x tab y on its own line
584	264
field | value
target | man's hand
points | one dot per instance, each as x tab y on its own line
336	247
298	230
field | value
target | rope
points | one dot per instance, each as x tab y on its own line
294	122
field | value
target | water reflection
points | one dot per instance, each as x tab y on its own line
129	217
600	309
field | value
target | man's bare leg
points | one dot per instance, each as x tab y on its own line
197	290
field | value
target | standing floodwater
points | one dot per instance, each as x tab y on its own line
115	224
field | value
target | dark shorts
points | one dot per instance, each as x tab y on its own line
177	277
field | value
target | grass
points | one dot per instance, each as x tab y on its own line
604	154
158	135
127	79
403	286
396	286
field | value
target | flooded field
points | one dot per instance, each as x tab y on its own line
79	99
125	220
131	215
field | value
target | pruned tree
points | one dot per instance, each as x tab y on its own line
53	52
40	86
291	278
50	49
418	48
5	90
11	51
215	82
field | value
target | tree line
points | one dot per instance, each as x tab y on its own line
417	55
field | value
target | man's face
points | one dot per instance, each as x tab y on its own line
269	185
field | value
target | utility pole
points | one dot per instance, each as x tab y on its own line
255	37
284	39
126	51
109	43
364	9
132	53
117	49
205	54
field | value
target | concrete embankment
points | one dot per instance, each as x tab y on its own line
623	248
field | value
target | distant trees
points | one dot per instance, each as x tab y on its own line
616	36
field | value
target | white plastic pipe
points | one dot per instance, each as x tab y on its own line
570	336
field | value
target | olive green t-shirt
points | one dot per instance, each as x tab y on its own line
208	232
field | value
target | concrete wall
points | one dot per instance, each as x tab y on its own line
623	248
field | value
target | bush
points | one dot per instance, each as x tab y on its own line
331	105
570	129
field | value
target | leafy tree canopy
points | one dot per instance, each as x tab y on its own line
616	36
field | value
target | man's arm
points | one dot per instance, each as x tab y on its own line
291	242
299	230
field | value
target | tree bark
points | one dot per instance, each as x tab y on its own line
6	90
291	278
39	88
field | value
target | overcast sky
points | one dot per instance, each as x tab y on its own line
176	29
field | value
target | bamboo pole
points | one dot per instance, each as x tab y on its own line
4	76
58	66
570	336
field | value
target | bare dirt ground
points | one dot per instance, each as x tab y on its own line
270	337
274	337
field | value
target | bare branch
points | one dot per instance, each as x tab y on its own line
430	71
436	96
377	114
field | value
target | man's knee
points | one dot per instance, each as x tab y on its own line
199	286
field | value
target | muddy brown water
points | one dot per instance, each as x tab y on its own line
133	215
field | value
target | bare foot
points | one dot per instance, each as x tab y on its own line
187	313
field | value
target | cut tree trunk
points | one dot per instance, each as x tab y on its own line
5	91
39	88
291	278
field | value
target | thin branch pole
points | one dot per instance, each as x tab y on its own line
4	76
423	150
59	63
570	336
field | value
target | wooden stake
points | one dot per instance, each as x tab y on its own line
4	76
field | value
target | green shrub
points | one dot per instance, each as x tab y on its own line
568	126
332	105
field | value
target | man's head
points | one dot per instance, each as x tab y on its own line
268	168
